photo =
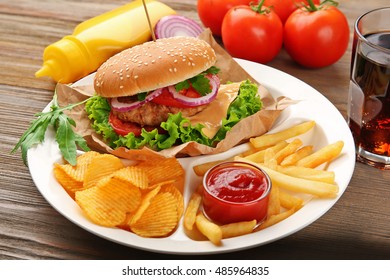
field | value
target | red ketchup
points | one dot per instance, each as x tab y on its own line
236	191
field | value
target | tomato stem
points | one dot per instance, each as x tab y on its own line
312	7
258	8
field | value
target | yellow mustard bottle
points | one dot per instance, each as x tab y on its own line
95	40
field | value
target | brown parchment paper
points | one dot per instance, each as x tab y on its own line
231	71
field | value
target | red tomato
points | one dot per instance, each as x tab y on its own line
284	8
211	12
123	128
316	38
252	35
166	98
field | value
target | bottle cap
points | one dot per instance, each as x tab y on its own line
44	71
65	61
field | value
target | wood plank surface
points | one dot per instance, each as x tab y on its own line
357	227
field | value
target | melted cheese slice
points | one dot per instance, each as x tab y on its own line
211	117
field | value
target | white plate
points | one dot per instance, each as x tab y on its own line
331	127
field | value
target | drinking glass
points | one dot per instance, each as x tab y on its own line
369	93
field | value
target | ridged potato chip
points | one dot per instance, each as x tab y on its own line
133	175
99	167
160	170
146	199
172	189
70	177
159	219
69	184
78	171
108	204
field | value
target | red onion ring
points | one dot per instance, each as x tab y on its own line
176	25
191	101
123	106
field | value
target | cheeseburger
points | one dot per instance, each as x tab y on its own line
146	95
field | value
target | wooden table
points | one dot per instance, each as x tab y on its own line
357	227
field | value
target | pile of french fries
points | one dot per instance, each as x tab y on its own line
296	170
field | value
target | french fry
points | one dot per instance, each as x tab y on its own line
289	201
273	201
320	189
192	210
274	219
209	229
301	153
237	229
325	154
250	151
269	159
271	139
307	173
288	150
259	156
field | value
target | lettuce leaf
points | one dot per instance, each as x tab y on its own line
179	130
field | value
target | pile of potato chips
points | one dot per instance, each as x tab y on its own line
145	198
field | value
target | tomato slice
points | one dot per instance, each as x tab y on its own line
123	128
166	98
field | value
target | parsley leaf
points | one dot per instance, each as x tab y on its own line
199	82
66	138
212	70
182	85
141	96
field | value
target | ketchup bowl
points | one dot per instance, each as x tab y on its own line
236	191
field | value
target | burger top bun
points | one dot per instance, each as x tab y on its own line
153	65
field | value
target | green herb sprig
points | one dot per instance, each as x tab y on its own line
66	138
200	83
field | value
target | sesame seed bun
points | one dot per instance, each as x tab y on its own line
153	65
